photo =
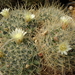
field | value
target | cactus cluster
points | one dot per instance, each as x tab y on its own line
26	37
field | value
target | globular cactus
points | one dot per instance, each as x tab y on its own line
55	39
18	54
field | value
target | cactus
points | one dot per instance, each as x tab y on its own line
48	34
18	49
55	39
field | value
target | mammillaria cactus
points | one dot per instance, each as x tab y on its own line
55	39
31	41
18	48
